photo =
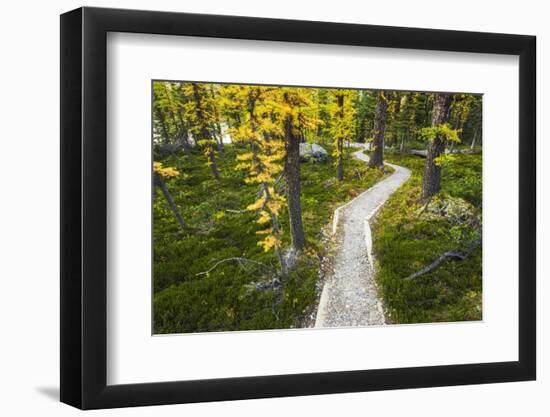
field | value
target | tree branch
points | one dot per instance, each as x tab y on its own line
234	259
456	255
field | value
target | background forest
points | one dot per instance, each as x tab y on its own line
246	179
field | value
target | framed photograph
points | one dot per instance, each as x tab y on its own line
256	208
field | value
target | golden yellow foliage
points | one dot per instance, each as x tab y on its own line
269	242
165	172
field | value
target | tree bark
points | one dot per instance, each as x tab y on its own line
432	171
213	165
377	155
159	182
292	174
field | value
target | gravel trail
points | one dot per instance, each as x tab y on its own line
350	296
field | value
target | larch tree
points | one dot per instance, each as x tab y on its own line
377	154
437	135
263	160
342	124
199	111
295	108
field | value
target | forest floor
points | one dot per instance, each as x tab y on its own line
188	300
407	235
350	294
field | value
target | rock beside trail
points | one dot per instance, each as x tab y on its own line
457	210
312	152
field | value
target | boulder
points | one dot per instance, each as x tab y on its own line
312	152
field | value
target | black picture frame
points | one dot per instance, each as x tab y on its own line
84	207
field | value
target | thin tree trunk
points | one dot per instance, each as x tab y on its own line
340	171
377	155
340	142
292	174
432	171
184	138
162	185
402	145
276	228
264	187
213	165
396	122
474	138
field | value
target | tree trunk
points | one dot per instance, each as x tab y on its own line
377	155
292	174
340	170
396	121
162	185
402	145
432	171
213	165
474	138
340	142
184	138
276	228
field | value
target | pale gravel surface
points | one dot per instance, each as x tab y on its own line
350	296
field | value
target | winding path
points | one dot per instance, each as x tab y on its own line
350	296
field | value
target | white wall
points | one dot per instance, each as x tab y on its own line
29	265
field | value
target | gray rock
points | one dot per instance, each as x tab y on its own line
312	152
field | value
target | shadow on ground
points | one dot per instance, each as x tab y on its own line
50	392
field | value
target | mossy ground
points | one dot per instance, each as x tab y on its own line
405	242
223	300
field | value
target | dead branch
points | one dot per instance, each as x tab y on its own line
241	261
456	255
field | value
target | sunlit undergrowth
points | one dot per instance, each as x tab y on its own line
408	237
220	228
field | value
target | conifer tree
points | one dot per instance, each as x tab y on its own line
297	116
342	124
436	136
263	160
199	111
377	155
